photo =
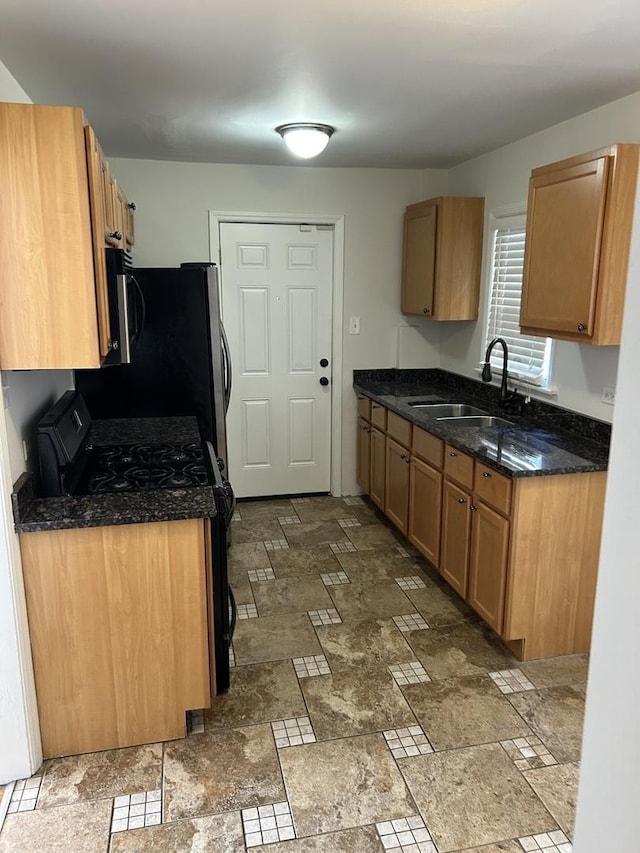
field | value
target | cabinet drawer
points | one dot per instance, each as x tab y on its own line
458	466
399	429
378	416
364	408
495	489
427	446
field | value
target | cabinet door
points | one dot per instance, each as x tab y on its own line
565	218
377	468
488	567
95	170
419	260
396	494
364	444
425	505
456	533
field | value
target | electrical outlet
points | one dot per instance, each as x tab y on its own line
354	326
608	395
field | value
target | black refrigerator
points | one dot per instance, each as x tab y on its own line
180	366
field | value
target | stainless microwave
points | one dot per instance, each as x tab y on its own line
126	307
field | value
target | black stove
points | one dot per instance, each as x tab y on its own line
134	467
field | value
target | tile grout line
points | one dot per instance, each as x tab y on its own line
6	799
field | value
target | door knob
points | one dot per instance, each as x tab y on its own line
324	380
324	362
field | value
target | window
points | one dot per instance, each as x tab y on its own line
529	357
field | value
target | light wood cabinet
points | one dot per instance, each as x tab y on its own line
456	536
119	634
377	467
364	455
523	552
425	494
579	221
56	214
488	561
396	495
442	257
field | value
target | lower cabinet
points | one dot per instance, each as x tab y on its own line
488	564
363	451
377	466
456	527
425	509
396	494
119	634
506	545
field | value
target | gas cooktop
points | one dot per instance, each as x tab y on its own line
132	467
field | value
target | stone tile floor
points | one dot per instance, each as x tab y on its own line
373	712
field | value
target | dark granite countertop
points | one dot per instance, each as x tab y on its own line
542	440
32	514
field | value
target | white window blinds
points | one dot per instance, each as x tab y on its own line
529	357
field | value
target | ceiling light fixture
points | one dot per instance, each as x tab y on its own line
304	139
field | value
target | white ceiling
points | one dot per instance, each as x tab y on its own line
406	83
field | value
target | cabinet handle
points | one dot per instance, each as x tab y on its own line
373	406
473	507
451	453
116	235
462	500
581	327
486	474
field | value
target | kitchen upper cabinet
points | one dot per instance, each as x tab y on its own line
56	215
579	220
118	619
442	257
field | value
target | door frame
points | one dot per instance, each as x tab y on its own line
216	217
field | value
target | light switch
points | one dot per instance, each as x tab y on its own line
354	326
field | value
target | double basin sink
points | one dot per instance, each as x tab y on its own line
460	414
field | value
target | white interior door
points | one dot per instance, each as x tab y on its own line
276	303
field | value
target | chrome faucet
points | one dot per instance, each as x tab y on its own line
505	394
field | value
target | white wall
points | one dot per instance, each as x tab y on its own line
20	752
173	200
610	766
579	371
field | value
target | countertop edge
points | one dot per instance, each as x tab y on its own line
456	440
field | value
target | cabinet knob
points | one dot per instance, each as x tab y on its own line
462	500
117	235
473	507
581	327
407	459
426	310
451	453
131	205
374	406
486	474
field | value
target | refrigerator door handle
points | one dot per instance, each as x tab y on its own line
228	376
234	614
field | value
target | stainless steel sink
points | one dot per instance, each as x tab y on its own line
447	410
477	421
